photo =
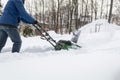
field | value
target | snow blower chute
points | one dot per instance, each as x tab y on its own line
61	44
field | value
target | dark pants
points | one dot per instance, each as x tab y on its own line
14	36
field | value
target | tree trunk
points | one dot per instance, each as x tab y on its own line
101	9
110	11
76	13
0	8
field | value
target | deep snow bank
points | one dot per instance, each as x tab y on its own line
97	33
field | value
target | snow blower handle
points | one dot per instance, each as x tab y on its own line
46	32
48	37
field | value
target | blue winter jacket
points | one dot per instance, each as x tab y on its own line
14	11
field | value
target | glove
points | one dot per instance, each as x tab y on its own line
35	22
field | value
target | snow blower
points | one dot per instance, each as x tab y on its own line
61	44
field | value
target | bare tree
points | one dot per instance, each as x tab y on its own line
71	16
53	14
96	9
101	13
75	3
67	15
92	5
68	7
43	12
62	16
110	12
59	4
0	8
29	7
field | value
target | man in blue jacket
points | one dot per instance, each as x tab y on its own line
14	11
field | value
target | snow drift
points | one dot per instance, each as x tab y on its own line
98	33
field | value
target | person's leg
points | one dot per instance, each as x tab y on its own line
14	35
3	38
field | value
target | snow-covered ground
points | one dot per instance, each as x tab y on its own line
98	59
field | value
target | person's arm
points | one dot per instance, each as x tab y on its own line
25	17
24	20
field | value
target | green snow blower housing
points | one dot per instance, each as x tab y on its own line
63	44
66	45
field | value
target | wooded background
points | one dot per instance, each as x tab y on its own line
66	16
